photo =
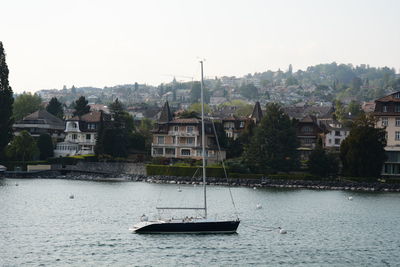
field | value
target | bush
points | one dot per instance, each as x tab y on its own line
183	170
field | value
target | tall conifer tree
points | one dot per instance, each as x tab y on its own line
6	104
81	106
55	107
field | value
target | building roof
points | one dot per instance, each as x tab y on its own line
186	121
42	117
93	116
257	112
390	98
368	107
166	114
301	112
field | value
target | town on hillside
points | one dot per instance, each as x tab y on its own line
173	134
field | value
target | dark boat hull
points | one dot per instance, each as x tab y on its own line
221	227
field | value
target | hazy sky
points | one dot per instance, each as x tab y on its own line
51	43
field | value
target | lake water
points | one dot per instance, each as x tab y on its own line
41	226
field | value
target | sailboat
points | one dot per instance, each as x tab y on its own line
190	225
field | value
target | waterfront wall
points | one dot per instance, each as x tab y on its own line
105	167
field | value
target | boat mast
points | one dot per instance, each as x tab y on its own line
203	141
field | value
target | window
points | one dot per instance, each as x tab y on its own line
170	151
397	108
241	124
385	109
190	140
73	125
176	128
306	129
173	140
160	140
397	122
158	151
384	122
397	95
91	126
185	152
330	141
337	141
337	133
88	136
189	129
74	136
397	136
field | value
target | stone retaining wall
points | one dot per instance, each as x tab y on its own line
109	167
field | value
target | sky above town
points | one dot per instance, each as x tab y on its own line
100	43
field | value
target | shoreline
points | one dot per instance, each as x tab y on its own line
234	182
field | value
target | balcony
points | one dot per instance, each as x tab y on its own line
183	133
175	145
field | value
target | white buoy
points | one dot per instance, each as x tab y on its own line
255	188
71	196
179	189
258	206
350	198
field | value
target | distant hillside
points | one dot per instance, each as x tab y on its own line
319	83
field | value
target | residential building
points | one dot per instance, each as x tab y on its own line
81	134
333	135
387	113
41	122
180	138
234	126
307	133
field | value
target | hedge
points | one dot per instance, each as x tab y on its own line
11	165
167	170
73	160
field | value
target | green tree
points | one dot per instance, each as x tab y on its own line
196	107
55	107
81	106
144	129
354	108
114	137
362	153
291	81
340	111
195	93
45	146
321	163
244	110
273	146
6	104
249	91
26	104
22	147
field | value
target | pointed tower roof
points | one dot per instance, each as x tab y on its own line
257	115
166	115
